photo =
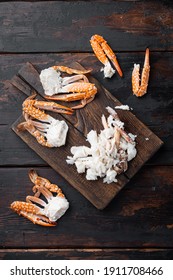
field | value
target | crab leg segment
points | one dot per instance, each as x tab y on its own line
103	51
137	88
72	79
40	181
52	106
70	70
35	199
34	132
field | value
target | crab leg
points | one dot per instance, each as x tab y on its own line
137	88
35	199
102	50
69	70
68	80
40	181
34	132
52	106
42	127
30	103
83	103
48	195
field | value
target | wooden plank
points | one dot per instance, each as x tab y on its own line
140	216
41	26
86	254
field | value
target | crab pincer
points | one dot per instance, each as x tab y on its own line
139	89
105	55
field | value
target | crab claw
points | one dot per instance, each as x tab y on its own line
137	88
31	212
104	52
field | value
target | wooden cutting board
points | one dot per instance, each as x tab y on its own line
83	120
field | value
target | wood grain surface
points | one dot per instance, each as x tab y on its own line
58	26
137	218
138	223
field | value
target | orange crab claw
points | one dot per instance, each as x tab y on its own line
31	212
137	88
103	51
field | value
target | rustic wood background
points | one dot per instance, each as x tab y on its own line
138	223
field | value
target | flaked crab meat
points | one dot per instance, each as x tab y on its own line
109	151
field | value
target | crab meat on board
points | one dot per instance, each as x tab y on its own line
109	151
50	211
104	53
48	131
73	88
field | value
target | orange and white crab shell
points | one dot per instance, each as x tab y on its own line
105	55
42	212
72	88
48	131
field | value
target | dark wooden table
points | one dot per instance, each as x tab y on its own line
138	223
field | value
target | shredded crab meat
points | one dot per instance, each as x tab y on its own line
109	151
123	107
108	70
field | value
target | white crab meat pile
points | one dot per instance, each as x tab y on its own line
109	151
108	70
51	81
56	208
56	133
